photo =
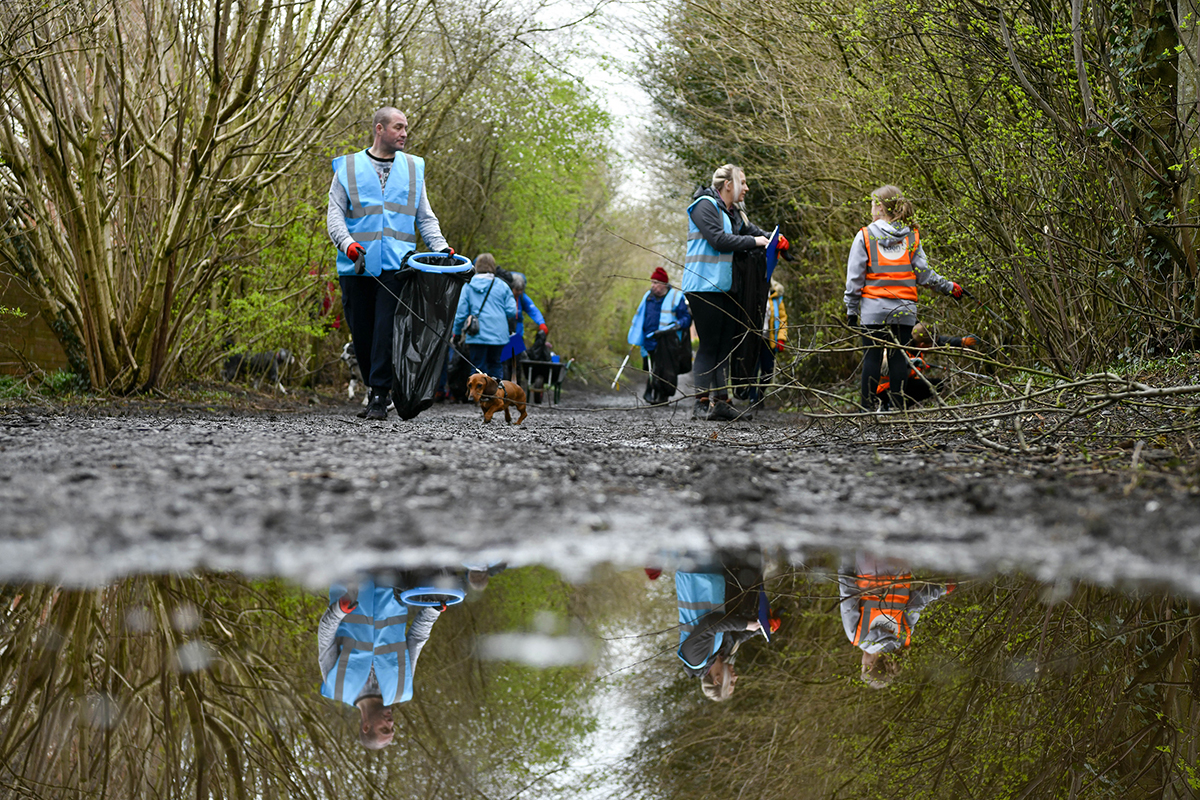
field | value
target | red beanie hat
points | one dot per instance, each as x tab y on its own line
660	274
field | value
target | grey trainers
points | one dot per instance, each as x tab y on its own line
701	409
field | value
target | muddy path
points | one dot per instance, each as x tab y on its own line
310	492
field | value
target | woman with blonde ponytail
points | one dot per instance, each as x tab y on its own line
716	230
885	266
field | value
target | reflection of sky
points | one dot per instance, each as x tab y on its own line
597	770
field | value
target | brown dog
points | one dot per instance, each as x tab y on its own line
493	396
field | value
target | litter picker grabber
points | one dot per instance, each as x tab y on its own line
617	379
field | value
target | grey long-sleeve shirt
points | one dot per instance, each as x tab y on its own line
339	204
414	639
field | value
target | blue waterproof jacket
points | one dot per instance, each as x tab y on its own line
527	306
383	220
493	315
371	636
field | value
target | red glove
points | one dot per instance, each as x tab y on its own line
779	346
355	251
543	328
652	573
956	292
773	621
346	604
782	244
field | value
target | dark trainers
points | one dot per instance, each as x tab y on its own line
378	409
701	409
721	411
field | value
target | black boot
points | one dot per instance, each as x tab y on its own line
378	407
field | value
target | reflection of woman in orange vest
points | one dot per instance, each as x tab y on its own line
885	265
880	604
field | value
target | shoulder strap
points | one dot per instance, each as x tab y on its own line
485	295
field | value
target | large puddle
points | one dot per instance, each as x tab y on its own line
881	678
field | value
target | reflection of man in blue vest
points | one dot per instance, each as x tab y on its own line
373	222
367	657
718	610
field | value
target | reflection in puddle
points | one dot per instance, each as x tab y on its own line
851	676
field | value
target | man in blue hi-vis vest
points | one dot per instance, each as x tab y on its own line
718	611
367	649
377	205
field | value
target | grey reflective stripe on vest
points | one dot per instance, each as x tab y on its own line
394	647
347	645
694	235
706	607
356	207
375	236
699	259
873	260
893	282
411	208
396	620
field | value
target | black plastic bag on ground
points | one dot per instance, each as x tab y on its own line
429	287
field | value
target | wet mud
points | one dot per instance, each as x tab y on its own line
311	492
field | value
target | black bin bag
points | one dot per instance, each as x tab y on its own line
750	290
429	288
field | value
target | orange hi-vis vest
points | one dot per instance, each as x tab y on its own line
884	595
890	269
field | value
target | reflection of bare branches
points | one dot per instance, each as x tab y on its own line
1008	682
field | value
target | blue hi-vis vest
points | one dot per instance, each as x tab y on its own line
666	317
383	220
705	268
698	594
371	636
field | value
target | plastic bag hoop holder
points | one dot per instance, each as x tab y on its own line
425	596
417	261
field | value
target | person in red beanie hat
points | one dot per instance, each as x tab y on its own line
661	327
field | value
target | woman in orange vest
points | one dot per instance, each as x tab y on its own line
880	604
885	265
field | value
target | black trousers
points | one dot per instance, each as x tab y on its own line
718	324
899	335
370	306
